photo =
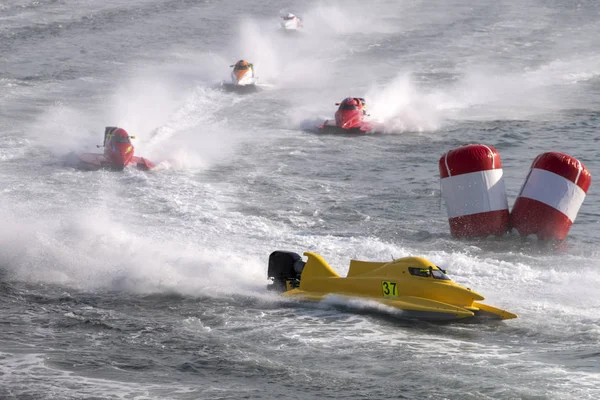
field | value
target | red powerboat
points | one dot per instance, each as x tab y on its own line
118	153
350	118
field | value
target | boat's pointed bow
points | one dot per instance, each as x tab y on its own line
493	312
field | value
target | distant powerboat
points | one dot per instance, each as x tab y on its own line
291	23
242	78
411	284
351	117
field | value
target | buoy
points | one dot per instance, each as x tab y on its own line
473	190
551	196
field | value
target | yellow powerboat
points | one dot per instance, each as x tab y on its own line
412	284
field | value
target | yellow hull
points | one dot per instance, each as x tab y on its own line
411	284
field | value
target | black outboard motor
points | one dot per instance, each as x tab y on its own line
285	268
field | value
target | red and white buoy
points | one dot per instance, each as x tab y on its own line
551	196
473	190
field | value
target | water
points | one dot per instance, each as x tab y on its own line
152	285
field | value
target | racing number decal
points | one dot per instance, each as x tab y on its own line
390	289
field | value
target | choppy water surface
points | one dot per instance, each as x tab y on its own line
152	285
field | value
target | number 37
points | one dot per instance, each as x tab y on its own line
389	288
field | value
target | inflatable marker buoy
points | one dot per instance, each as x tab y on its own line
551	196
473	190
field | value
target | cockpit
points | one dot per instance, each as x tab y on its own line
289	17
241	67
351	103
121	139
429	272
